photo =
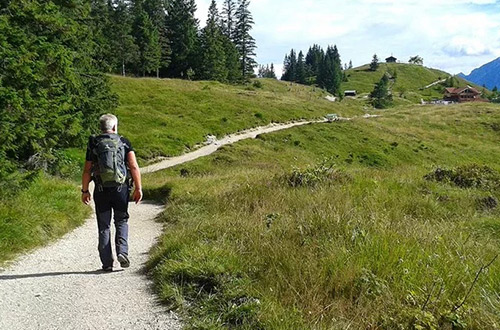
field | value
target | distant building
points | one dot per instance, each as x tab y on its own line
463	94
391	59
350	93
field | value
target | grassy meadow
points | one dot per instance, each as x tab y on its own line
408	85
388	222
168	117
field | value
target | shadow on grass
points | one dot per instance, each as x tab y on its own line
21	276
159	194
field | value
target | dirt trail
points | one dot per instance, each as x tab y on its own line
216	144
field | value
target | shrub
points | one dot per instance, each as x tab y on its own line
467	176
257	84
312	176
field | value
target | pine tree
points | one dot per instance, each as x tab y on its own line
123	49
244	42
100	26
374	63
330	75
212	46
232	60
228	18
147	40
272	73
300	75
182	34
285	76
156	10
337	71
381	98
314	59
267	71
51	92
290	67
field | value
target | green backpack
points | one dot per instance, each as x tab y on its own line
109	168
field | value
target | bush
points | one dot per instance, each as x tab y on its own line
467	176
312	176
257	84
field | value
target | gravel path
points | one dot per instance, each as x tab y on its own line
60	286
216	144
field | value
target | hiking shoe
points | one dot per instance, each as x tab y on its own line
123	260
107	268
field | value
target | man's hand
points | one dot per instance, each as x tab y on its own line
86	198
137	196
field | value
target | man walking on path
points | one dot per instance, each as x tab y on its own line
109	162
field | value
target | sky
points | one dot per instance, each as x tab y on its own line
451	35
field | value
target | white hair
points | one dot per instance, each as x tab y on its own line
107	122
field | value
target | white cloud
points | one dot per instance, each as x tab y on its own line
454	35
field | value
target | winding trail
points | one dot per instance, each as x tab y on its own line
61	286
216	144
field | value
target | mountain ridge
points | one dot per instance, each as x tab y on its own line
487	74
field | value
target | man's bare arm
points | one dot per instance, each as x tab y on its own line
86	178
136	176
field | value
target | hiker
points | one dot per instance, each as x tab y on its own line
110	162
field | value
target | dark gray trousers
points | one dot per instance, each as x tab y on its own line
107	201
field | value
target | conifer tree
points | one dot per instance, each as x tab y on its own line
123	49
228	18
156	10
182	34
267	71
330	75
212	46
300	75
337	70
100	26
232	60
381	98
147	40
374	63
52	101
244	42
272	73
314	59
290	67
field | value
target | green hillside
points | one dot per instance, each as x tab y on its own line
382	223
408	85
168	117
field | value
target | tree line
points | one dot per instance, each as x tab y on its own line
163	39
317	67
51	88
54	55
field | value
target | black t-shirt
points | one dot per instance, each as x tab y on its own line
90	146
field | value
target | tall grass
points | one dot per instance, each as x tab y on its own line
264	235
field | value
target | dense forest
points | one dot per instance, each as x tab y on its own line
318	67
54	57
163	39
